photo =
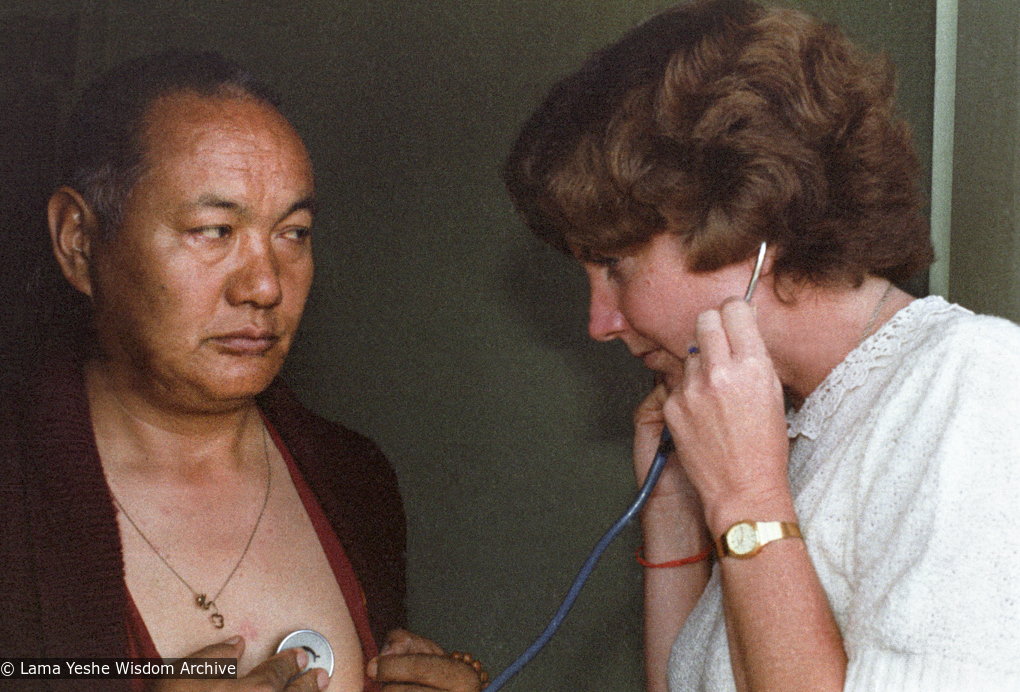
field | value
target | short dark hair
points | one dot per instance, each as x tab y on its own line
103	149
727	124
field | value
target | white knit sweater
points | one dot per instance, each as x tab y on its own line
905	470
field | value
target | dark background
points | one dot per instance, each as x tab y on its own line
437	325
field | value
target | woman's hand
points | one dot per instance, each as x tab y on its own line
728	420
673	491
673	527
648	424
727	417
408	662
276	673
672	518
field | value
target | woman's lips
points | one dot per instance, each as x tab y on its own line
661	360
652	359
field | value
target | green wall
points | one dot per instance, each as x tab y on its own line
438	325
985	260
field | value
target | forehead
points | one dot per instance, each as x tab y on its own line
223	141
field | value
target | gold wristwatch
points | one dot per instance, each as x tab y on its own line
746	538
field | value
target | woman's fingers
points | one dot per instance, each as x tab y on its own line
649	422
713	343
648	419
739	321
731	331
727	417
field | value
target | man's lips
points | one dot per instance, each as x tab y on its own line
246	341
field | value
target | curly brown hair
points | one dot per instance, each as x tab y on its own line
727	124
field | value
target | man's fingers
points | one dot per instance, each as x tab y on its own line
275	672
426	670
310	681
229	648
401	641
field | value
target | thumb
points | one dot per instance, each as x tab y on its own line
649	411
228	648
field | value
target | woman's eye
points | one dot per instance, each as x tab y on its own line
610	263
598	259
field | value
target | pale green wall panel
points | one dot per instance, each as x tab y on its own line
985	264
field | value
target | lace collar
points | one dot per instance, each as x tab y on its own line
811	418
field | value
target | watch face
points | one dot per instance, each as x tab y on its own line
742	539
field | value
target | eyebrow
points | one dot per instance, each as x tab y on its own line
588	255
217	202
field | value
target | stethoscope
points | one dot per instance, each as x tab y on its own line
665	448
316	644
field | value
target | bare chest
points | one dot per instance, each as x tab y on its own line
278	583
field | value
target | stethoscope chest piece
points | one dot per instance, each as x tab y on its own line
320	653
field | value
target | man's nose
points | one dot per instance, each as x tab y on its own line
257	278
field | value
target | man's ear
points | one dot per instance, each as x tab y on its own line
73	225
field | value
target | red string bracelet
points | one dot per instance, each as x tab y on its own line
673	563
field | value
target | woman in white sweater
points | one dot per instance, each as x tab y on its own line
838	515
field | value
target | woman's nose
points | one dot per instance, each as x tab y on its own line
605	321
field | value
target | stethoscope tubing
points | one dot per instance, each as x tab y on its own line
661	455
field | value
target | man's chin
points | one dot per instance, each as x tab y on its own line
233	386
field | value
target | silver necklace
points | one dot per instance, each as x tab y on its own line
201	599
874	316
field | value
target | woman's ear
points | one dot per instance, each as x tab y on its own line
770	258
73	225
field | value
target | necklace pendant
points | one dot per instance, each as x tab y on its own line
204	603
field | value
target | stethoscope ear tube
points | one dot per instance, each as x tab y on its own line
666	448
757	272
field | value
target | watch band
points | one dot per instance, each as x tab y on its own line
746	538
769	531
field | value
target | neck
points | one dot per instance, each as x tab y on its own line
135	434
818	328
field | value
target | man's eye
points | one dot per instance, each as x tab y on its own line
212	232
298	233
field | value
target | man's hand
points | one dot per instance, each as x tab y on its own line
409	663
276	674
